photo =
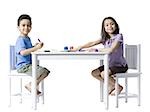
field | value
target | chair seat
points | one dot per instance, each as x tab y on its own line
15	73
123	75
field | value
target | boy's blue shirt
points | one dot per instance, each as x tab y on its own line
21	44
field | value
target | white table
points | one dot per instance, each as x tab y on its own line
37	56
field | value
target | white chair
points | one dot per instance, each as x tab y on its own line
133	58
14	74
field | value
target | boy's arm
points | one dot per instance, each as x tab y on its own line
29	50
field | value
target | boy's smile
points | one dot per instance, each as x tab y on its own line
24	27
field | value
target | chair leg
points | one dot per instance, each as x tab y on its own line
37	98
116	94
101	91
139	92
20	90
126	89
9	92
42	88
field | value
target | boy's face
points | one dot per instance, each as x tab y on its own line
24	27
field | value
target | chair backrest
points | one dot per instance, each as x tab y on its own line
133	56
12	57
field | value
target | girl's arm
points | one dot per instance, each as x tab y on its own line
114	46
28	51
87	45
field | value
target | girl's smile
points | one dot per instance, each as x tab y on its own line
109	26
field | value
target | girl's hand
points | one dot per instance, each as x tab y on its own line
73	49
92	50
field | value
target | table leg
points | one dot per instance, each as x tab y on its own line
33	92
101	86
106	95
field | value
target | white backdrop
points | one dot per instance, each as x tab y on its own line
59	23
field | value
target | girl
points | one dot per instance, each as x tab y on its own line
113	44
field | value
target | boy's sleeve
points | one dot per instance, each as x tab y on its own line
20	45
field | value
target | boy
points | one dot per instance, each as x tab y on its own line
23	51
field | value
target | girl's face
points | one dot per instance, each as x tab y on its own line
24	27
109	26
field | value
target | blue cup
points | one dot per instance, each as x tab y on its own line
66	48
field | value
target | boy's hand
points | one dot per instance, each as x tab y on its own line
39	45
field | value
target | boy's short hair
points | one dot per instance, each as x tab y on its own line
24	16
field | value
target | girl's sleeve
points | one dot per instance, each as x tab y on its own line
119	38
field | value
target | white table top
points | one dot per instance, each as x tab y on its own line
70	53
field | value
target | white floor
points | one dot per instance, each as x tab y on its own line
71	88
